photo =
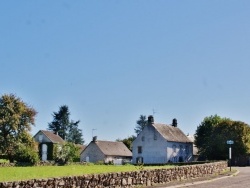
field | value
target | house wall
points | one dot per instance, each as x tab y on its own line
179	152
44	138
93	153
156	149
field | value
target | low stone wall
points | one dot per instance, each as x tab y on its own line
124	179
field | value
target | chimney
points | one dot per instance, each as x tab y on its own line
174	124
94	138
150	119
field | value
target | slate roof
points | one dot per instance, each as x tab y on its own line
113	148
52	137
171	133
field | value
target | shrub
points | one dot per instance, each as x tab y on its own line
26	154
65	153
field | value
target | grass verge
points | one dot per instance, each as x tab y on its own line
40	172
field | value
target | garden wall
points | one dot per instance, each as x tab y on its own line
124	179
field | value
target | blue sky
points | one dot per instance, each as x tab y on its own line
112	60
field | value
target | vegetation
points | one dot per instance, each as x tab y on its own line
38	172
141	123
212	134
16	118
127	141
65	128
26	154
66	153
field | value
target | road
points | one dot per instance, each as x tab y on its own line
241	180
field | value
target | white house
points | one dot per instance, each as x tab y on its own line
46	140
106	151
160	143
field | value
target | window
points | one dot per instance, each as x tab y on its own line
139	149
142	138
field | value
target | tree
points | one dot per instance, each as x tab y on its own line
127	141
61	122
74	133
16	118
65	128
213	132
141	123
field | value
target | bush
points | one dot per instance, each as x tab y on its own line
66	153
26	154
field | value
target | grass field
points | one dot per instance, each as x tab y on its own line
39	172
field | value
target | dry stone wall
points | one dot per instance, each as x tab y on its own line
124	179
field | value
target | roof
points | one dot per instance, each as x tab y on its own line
52	137
171	133
113	148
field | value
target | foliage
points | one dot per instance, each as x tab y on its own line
212	134
26	154
65	153
66	129
60	122
141	123
16	118
74	134
127	141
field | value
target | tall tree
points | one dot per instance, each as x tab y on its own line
141	123
64	127
61	122
212	134
74	133
16	118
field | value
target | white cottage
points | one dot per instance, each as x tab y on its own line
161	143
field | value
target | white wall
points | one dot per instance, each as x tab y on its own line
93	152
155	149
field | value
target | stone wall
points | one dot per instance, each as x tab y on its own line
124	179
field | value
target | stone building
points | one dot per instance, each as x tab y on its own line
106	151
161	143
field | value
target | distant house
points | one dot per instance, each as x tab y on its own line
106	151
161	143
195	149
46	140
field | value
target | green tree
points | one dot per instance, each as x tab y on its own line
141	123
64	127
211	136
61	122
75	134
16	118
127	141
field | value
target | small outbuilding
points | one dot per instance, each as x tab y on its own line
46	141
105	151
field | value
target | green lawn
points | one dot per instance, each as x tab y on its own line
39	172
